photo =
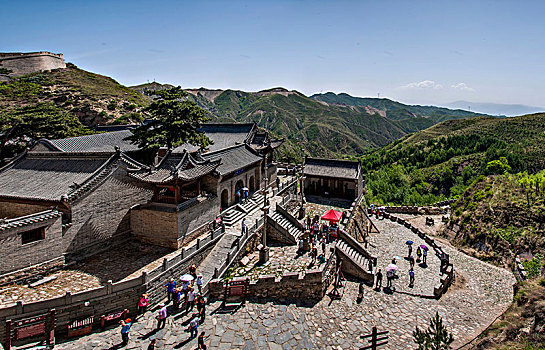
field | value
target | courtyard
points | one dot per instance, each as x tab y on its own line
481	293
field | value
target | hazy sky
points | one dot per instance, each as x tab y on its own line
412	51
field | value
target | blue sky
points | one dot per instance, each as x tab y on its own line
427	52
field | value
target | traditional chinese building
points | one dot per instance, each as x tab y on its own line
70	198
333	178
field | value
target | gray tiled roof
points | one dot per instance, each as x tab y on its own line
48	178
96	143
29	219
175	165
233	158
226	135
344	169
58	176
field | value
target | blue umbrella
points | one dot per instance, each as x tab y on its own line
409	242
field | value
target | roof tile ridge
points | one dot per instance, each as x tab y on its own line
50	143
87	184
131	161
168	154
228	148
18	218
14	161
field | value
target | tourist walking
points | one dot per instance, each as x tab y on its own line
201	307
193	271
190	300
171	288
411	277
177	298
152	344
379	279
389	277
200	341
162	316
424	256
143	303
418	254
125	328
410	249
193	326
198	282
243	226
411	261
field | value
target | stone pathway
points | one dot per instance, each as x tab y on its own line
390	242
481	293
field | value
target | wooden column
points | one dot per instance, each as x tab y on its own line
176	194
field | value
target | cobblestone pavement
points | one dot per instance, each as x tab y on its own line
481	293
390	242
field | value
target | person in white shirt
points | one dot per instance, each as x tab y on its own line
190	300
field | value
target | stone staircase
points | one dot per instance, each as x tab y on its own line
238	211
216	257
356	260
289	230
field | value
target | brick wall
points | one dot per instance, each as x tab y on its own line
163	225
103	214
16	256
151	225
11	209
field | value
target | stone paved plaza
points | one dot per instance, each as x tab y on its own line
481	293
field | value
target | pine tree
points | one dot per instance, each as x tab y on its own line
436	337
175	121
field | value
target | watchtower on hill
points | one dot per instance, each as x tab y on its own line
14	64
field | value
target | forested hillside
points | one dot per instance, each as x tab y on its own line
440	162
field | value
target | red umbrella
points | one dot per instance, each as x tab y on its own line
332	216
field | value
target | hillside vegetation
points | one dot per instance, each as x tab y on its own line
441	161
62	103
315	127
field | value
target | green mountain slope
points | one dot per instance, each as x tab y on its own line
441	161
315	127
93	98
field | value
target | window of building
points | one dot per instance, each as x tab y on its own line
32	235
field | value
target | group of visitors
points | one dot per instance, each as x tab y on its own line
391	270
324	231
188	295
242	195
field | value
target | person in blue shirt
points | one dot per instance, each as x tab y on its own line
125	328
171	290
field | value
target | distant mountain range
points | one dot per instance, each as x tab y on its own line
326	125
495	108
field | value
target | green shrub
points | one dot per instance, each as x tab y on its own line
533	266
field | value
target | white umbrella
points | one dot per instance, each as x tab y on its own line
245	189
186	278
391	267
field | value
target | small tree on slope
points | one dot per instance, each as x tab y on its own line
436	337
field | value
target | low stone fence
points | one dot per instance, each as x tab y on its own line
112	297
290	286
447	275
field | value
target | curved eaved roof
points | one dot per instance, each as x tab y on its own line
96	143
